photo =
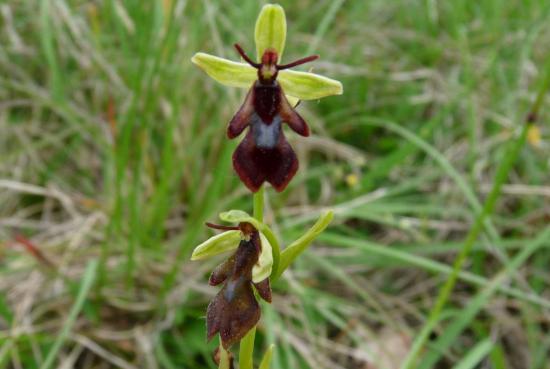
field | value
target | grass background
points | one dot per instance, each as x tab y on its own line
113	154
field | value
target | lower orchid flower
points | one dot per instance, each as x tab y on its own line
235	311
256	261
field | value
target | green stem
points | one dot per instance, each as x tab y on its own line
500	178
258	210
246	352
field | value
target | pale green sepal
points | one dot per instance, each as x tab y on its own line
262	269
275	248
239	216
289	254
270	31
225	71
266	360
218	244
308	86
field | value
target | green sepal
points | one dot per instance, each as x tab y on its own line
225	71
308	86
239	216
263	267
290	253
217	244
270	31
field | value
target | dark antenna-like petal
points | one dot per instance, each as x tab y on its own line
298	62
221	227
246	57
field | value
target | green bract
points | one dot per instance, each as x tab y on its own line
291	252
270	32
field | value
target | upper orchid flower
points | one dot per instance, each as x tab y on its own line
264	154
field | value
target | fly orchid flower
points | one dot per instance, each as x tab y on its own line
235	311
264	154
257	259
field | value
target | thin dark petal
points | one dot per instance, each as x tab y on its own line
264	289
214	315
295	63
292	118
222	271
242	118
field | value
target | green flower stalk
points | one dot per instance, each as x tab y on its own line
264	155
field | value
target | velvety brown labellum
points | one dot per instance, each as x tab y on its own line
264	154
234	311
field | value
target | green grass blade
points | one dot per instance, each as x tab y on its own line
445	291
426	264
464	319
85	286
476	354
440	159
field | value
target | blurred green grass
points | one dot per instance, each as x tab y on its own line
113	148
